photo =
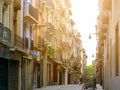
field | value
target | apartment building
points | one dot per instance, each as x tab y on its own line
108	44
37	44
11	44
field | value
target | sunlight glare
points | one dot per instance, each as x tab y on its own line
84	14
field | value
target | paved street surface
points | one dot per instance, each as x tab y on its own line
62	87
99	87
91	89
68	87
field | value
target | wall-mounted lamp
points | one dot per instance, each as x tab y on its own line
90	35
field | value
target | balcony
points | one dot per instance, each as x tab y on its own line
25	43
51	28
17	4
6	34
102	37
30	13
64	44
40	42
31	44
1	30
104	28
50	52
104	17
18	41
105	20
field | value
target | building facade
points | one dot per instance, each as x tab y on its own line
38	45
107	62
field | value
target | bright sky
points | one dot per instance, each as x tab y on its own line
84	14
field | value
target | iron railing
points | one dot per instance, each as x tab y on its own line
31	44
1	30
40	42
25	43
6	34
15	40
18	41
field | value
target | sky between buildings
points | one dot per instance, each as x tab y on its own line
84	14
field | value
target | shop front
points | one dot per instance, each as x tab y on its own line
4	67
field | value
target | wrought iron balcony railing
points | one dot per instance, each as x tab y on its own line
31	44
25	43
40	42
1	30
22	43
6	34
64	44
104	17
18	41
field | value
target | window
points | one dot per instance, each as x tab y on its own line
5	16
26	43
116	50
0	14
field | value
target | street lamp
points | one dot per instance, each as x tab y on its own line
90	35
